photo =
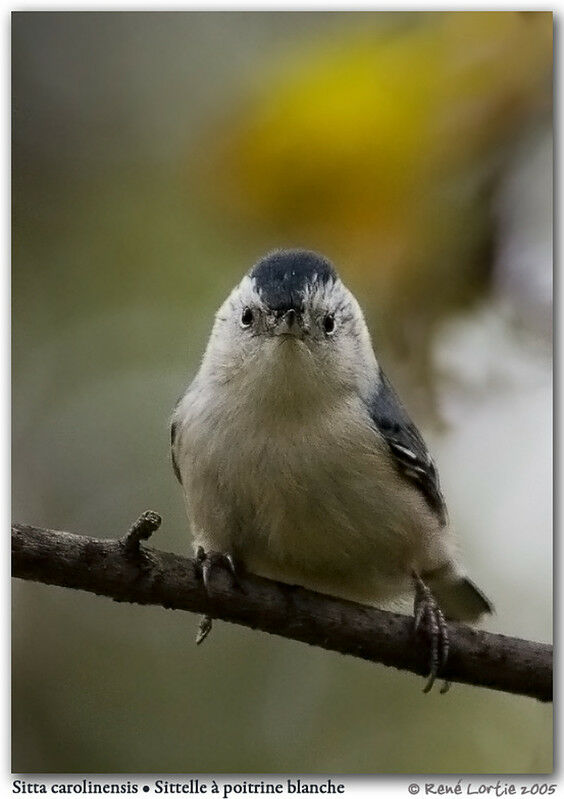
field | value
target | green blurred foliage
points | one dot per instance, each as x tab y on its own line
121	255
387	147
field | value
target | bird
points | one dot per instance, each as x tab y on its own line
298	461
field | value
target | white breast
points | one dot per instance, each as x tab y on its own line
302	491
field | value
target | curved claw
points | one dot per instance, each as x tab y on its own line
208	561
204	629
429	617
234	569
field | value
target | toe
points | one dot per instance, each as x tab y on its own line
204	629
208	561
430	621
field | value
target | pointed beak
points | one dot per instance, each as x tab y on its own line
288	324
290	317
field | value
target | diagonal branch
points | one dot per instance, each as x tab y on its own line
126	572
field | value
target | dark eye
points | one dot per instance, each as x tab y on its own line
329	324
246	317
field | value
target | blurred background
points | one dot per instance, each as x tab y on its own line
156	156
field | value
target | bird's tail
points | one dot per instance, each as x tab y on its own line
457	596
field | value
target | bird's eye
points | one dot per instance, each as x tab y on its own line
246	317
329	324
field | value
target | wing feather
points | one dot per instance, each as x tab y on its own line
406	445
173	431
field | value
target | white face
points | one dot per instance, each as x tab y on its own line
319	314
322	343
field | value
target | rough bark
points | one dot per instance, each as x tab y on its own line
127	572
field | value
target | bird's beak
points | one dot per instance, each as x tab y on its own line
290	324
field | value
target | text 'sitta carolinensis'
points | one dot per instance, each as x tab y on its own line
298	460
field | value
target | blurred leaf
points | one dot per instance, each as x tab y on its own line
384	147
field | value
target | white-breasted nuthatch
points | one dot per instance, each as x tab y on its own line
298	460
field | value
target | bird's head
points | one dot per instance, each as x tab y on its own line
292	321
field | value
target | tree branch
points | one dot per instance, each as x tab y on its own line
126	572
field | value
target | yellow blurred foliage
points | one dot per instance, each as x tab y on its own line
382	147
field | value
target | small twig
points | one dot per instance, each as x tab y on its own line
141	530
105	567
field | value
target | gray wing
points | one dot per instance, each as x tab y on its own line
173	431
175	426
406	445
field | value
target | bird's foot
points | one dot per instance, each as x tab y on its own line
207	562
204	629
430	621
